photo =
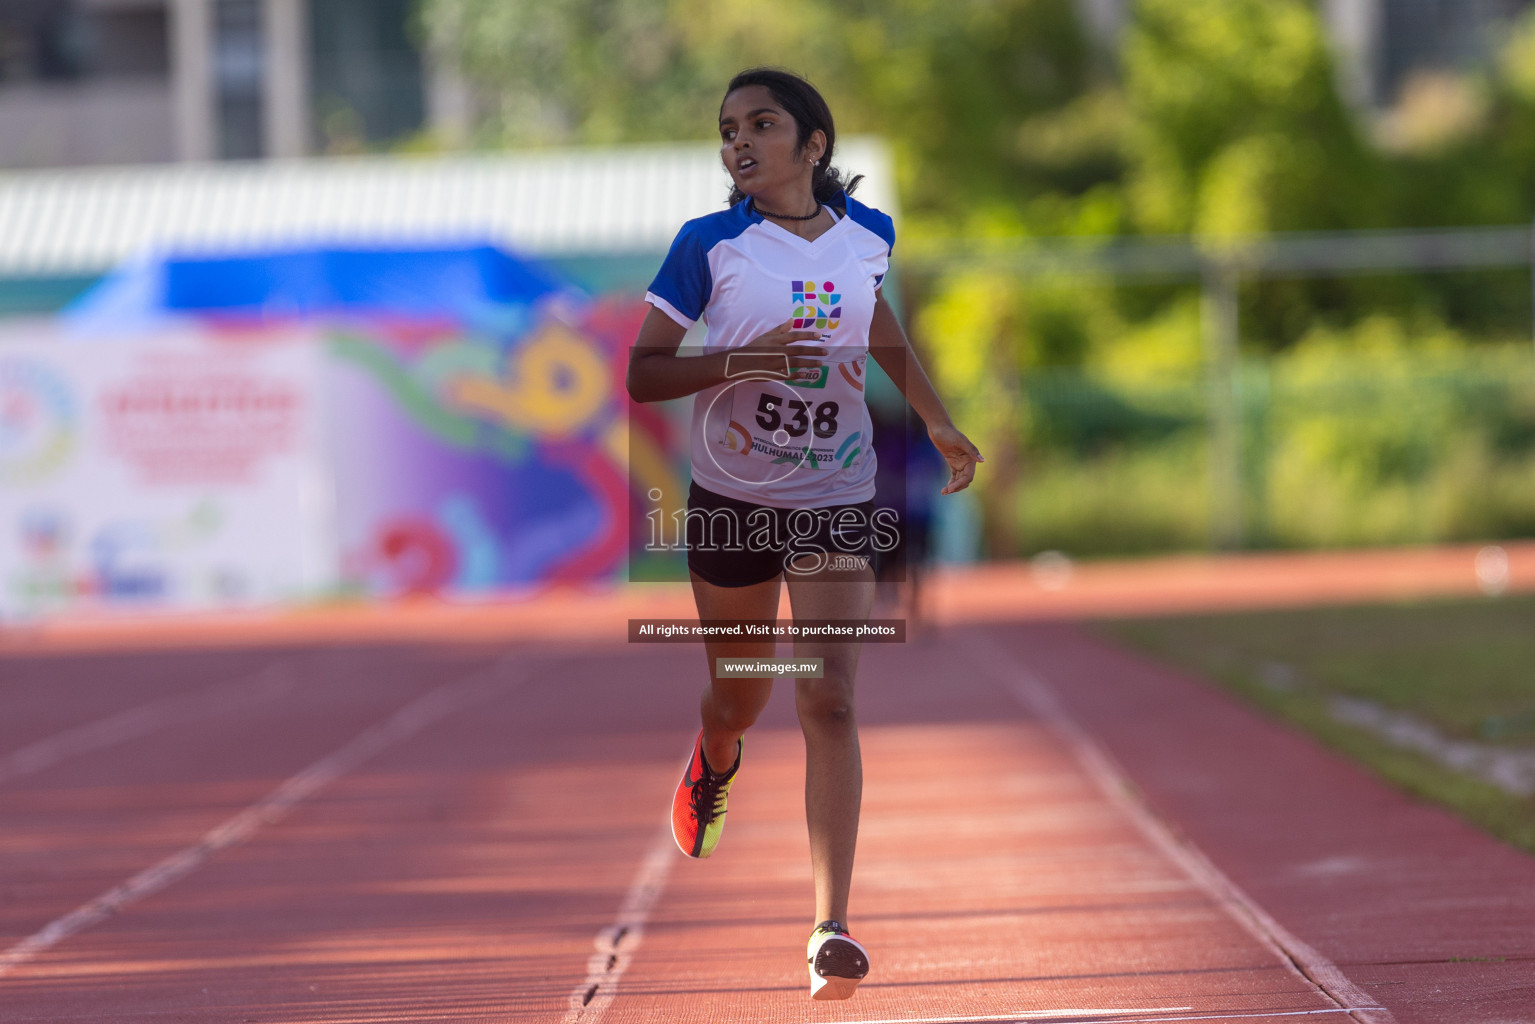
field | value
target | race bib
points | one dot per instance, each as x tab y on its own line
810	425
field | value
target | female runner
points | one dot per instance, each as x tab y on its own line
788	280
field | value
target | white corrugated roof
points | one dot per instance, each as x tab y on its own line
553	202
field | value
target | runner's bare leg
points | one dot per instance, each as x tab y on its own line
833	764
730	706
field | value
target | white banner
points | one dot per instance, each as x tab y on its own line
176	470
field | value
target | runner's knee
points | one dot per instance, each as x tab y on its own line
827	701
731	707
734	718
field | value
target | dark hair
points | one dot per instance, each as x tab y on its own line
801	101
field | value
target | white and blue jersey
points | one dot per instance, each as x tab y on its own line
789	444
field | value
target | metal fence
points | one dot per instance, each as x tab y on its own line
1228	422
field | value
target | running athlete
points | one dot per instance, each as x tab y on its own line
788	281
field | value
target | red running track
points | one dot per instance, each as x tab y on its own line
1053	830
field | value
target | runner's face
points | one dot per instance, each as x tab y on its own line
759	142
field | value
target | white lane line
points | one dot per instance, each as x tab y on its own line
617	942
404	723
1068	1015
1032	692
147	718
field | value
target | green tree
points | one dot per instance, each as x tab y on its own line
954	84
1218	119
1235	122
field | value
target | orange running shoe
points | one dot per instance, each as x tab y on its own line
698	808
838	962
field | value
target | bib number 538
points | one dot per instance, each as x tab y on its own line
824	421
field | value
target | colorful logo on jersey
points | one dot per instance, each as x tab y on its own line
818	381
816	305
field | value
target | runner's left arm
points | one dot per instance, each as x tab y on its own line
892	351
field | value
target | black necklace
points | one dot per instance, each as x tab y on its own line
785	216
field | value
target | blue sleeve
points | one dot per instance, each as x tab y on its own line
875	221
684	281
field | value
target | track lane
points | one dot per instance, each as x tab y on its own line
418	714
994	876
49	695
449	876
147	718
465	873
1417	907
84	824
1035	694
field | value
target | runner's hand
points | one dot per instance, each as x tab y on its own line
781	338
958	452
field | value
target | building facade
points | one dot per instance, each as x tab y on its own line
1380	43
147	81
87	82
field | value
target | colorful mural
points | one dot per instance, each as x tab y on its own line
491	463
477	433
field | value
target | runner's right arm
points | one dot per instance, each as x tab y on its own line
657	372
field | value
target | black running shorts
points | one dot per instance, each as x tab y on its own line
733	543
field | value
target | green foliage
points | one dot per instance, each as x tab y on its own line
1235	124
970	316
1368	436
1364	404
953	84
1367	419
576	71
959	84
1219	117
1078	416
1382	438
1122	500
